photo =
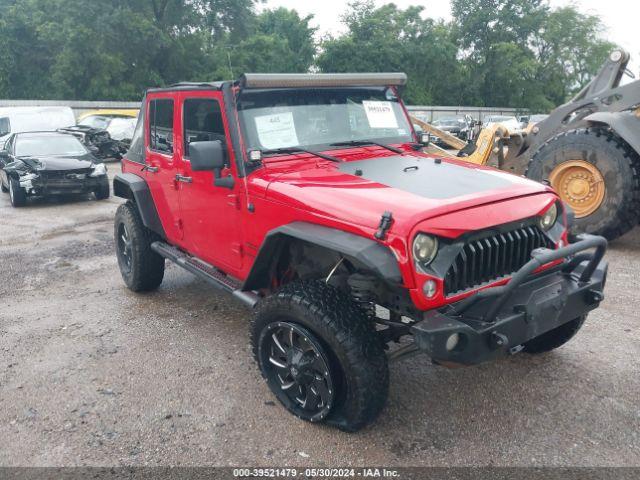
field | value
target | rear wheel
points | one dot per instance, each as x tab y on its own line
16	193
142	269
596	174
320	355
554	338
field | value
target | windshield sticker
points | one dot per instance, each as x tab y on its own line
380	114
277	130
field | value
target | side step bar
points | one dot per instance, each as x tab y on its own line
206	272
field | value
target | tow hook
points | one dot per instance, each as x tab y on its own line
516	349
498	340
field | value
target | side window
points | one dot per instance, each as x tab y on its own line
161	125
202	122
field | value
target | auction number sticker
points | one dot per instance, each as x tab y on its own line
380	114
277	130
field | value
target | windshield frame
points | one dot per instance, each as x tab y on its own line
390	93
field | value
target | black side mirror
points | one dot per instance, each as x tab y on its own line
210	156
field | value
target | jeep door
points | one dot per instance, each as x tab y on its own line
211	214
161	158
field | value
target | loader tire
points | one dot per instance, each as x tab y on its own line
597	174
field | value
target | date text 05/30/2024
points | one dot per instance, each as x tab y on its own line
315	472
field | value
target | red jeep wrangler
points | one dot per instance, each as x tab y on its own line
307	197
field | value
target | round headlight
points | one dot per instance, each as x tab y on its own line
549	218
425	248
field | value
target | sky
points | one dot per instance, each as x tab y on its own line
619	16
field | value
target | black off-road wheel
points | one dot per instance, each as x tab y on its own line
142	269
320	355
17	195
554	338
103	191
597	174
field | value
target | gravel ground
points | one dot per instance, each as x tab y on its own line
92	374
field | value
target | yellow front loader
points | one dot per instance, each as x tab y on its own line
588	149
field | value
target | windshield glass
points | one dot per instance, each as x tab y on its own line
284	118
96	121
48	145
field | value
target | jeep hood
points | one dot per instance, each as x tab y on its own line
413	188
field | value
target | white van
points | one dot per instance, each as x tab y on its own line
33	119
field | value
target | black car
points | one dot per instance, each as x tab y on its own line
461	127
100	141
49	163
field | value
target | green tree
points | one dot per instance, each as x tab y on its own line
296	31
569	50
480	24
517	53
392	39
281	41
83	49
520	53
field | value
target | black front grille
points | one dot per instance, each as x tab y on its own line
64	174
491	258
65	179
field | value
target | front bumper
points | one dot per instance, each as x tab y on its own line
497	320
62	186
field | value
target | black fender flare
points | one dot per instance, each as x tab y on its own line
377	257
135	188
625	124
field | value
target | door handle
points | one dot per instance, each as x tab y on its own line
150	169
182	178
